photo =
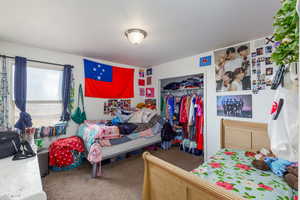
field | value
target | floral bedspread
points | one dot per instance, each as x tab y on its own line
232	170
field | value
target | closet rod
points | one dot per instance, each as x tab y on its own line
37	61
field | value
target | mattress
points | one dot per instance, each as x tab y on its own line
232	170
133	142
115	150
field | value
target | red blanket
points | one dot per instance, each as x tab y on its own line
60	151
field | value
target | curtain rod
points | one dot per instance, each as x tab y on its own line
37	61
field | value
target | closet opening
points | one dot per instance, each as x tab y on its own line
182	105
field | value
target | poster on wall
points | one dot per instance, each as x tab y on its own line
150	92
149	71
235	106
233	68
141	73
149	80
142	92
141	82
205	61
263	69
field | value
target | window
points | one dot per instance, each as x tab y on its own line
44	99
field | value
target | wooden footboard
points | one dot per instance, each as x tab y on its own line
164	181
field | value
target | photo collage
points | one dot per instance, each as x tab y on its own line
262	66
111	105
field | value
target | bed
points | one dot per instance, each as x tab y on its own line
228	175
146	134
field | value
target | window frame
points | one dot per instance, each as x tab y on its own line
12	109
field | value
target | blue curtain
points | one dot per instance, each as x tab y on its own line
66	86
20	92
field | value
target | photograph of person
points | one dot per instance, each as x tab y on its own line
233	69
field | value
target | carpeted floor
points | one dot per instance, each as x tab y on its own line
122	180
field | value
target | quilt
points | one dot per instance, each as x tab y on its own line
232	170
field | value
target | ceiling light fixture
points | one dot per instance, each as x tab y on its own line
135	36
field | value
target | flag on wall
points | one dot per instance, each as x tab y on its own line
105	81
205	61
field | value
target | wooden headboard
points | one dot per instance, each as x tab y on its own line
244	135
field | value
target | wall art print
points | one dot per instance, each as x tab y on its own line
142	92
141	73
205	61
141	82
149	80
149	71
235	106
150	92
233	68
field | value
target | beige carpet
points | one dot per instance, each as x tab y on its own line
122	180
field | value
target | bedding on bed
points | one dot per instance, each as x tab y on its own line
110	135
232	170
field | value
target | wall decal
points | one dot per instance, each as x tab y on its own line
205	61
233	68
270	40
235	106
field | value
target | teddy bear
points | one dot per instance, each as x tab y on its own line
259	162
291	177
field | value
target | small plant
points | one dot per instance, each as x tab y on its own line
286	34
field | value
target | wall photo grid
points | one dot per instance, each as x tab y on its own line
243	68
111	105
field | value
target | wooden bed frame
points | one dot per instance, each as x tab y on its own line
164	181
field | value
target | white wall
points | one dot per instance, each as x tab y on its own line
189	65
94	106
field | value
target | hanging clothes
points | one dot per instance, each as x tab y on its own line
171	108
183	110
199	123
192	110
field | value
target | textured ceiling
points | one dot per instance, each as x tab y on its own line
95	28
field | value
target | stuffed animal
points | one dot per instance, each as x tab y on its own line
259	162
291	178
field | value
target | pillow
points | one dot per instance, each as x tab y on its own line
137	117
142	116
148	114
